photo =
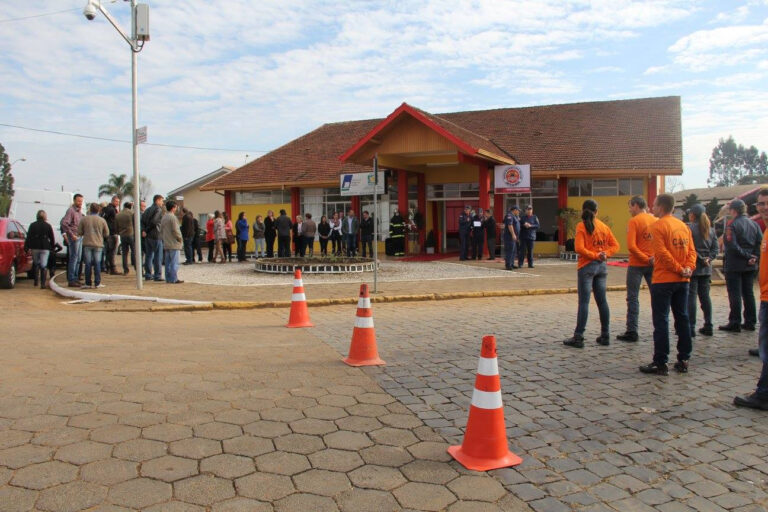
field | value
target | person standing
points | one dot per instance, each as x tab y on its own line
595	243
489	224
529	225
308	230
93	230
109	214
674	258
124	224
324	232
69	225
229	238
259	228
173	242
196	242
705	242
366	234
283	227
511	234
150	225
742	240
242	228
350	228
397	234
270	233
640	262
759	398
210	237
40	241
188	233
298	238
220	234
335	234
478	235
465	226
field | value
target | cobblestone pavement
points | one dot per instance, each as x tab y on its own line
595	434
208	411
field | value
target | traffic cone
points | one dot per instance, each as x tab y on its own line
299	316
485	439
362	348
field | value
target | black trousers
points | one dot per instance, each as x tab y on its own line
741	290
270	241
211	245
464	245
477	245
492	248
323	246
284	246
241	249
367	240
126	244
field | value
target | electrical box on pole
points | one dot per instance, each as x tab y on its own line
142	22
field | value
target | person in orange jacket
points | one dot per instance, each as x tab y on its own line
674	255
595	243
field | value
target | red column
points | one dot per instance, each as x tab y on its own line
228	203
356	206
421	199
484	179
498	214
562	202
295	210
436	227
402	197
653	189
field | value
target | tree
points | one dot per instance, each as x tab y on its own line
6	183
713	208
690	200
145	188
732	163
673	184
116	185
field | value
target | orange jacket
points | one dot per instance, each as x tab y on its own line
763	278
639	239
673	250
589	246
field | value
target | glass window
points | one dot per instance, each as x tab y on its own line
638	186
262	197
604	187
544	188
625	187
579	187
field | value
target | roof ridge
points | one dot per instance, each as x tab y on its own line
499	109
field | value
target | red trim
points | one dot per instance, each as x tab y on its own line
402	198
653	189
421	202
436	227
295	202
356	206
562	202
405	108
228	203
498	213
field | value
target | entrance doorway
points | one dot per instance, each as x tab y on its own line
451	218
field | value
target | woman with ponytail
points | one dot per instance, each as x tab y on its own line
705	241
595	243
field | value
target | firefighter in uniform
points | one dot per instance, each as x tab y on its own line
465	224
511	234
397	233
478	235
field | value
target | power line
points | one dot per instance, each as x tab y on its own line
129	142
39	15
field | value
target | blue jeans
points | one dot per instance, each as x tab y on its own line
592	278
699	286
741	286
92	257
762	383
40	258
351	241
663	297
154	259
525	251
635	276
189	253
260	247
74	253
510	252
171	261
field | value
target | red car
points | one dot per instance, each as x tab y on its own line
13	258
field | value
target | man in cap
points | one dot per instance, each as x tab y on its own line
742	240
529	224
511	234
465	224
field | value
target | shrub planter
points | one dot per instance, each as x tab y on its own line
314	265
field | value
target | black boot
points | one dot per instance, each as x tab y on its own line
35	274
42	278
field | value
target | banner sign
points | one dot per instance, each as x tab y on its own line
361	184
512	179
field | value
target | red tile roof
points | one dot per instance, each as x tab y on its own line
642	134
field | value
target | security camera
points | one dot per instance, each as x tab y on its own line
91	9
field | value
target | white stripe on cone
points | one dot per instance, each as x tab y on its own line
365	322
298	297
488	366
364	302
297	282
486	399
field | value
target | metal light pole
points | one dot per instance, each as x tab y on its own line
18	160
133	42
376	223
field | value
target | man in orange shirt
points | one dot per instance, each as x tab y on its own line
759	399
674	258
640	262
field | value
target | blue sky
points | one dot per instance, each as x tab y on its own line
250	76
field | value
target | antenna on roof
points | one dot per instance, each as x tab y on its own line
246	159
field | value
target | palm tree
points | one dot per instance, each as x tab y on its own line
116	185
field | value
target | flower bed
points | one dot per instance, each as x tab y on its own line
315	265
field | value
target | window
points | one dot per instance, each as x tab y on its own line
606	187
452	191
324	201
262	197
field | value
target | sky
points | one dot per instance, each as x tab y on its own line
241	78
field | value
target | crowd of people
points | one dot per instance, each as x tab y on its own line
478	228
675	260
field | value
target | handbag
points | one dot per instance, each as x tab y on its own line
230	237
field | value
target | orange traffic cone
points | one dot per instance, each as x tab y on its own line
299	316
362	349
485	440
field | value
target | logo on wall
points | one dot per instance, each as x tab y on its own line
512	179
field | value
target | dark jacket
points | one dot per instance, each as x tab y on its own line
396	227
742	240
465	223
366	227
269	228
490	227
511	220
324	229
477	231
188	226
109	213
529	233
282	225
258	230
345	227
40	236
704	249
150	221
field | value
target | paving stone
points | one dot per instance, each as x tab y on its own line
313	426
14	499
264	486
195	448
24	455
109	471
60	436
39	423
282	414
217	430
336	400
526	492
115	434
549	505
169	468
386	456
12	438
93	420
248	446
167	432
358	423
139	450
265	428
174	506
423	496
306	502
140	493
203	489
44	475
71	497
83	452
430	472
335	460
346	440
430	450
227	466
474	506
237	416
366	500
707	489
377	477
476	488
321	482
282	463
241	504
299	443
119	408
394	437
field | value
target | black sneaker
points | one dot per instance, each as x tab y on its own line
754	352
706	331
681	367
753	401
655	368
603	340
730	327
747	327
575	342
628	336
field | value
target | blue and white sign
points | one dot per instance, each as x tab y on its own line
361	184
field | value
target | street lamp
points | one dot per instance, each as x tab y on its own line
139	35
18	160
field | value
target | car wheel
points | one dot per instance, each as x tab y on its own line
9	280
